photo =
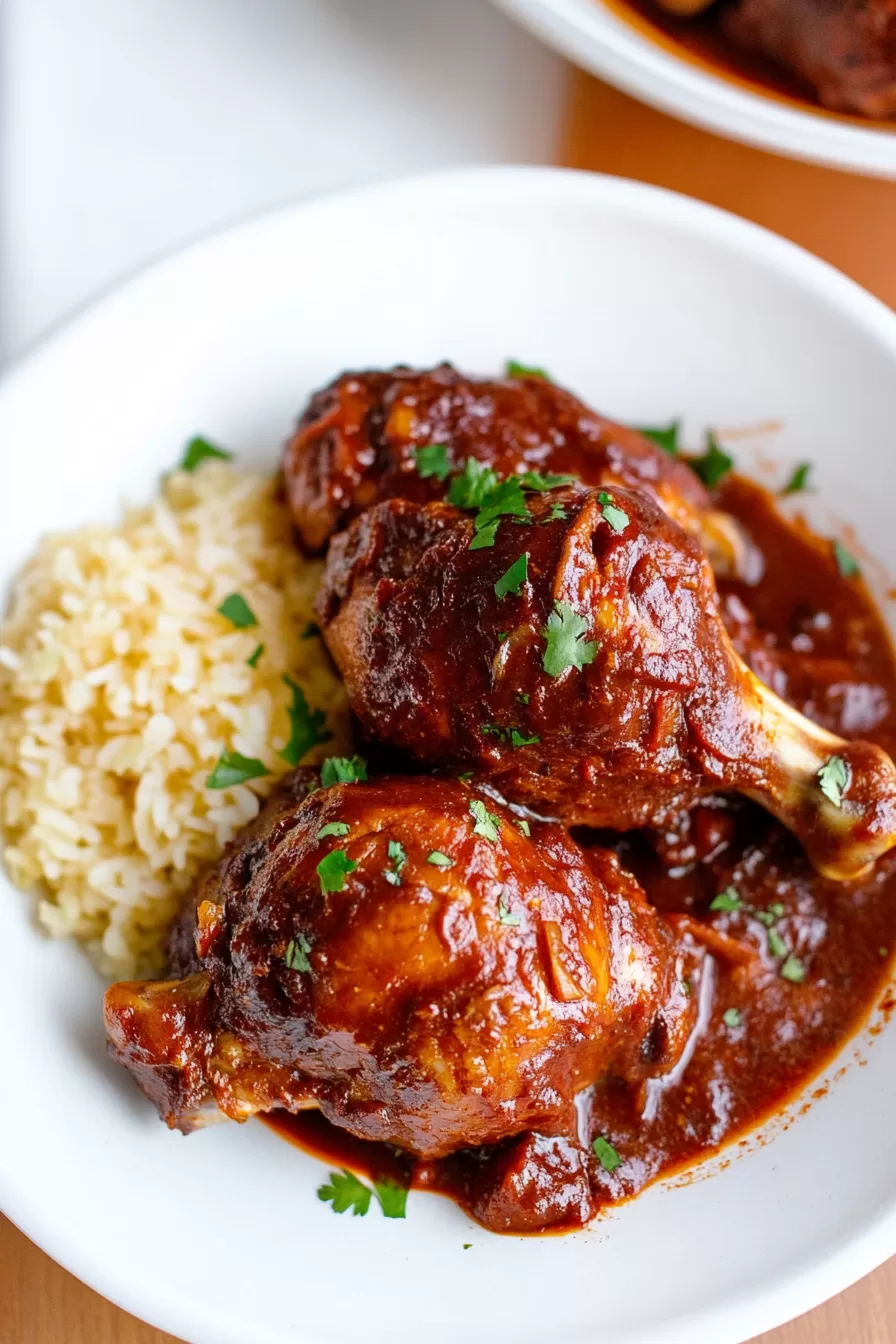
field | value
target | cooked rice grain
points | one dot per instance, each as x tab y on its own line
120	685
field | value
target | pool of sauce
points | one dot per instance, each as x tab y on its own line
818	639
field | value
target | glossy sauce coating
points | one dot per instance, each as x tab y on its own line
818	639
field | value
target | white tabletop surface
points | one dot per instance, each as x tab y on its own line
132	126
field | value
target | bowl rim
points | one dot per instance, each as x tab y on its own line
585	32
819	1278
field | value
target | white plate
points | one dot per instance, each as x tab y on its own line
651	305
593	36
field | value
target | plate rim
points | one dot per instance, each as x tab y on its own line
823	1276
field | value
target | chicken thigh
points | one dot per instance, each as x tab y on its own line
571	651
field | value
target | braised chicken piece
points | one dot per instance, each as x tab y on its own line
356	444
846	49
571	652
403	954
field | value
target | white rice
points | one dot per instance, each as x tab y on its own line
120	685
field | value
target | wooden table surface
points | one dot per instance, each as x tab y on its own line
848	220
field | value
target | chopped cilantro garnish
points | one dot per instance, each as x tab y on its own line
776	910
333	828
512	580
556	514
439	860
198	450
665	435
468	1245
503	635
470	489
776	944
486	823
237	611
393	1197
833	778
432	460
606	1154
296	954
617	518
506	498
847	564
397	860
231	768
727	900
518	739
540	481
306	726
484	536
686	988
564	645
731	1017
516	370
343	770
506	917
333	870
253	661
344	1191
466	776
311	631
523	697
793	970
714	464
523	826
799	479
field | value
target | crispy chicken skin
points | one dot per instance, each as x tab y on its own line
438	665
355	445
432	1007
845	48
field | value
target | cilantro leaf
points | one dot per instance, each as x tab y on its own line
505	498
516	370
727	900
776	944
484	536
198	450
344	1191
556	515
339	828
296	954
343	770
237	611
231	769
253	661
664	435
833	779
306	726
486	823
439	860
793	970
714	464
512	580
505	916
564	645
397	860
393	1197
541	481
470	488
432	460
617	518
731	1017
523	826
847	564
518	739
606	1154
333	870
799	480
311	631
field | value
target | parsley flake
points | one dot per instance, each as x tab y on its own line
439	860
338	828
397	860
237	611
393	1198
199	450
344	1191
664	435
512	580
514	369
606	1154
486	823
432	460
799	479
343	770
732	1018
714	464
506	917
727	900
468	1245
793	970
253	661
306	726
333	870
847	564
296	954
617	518
231	769
833	779
564	645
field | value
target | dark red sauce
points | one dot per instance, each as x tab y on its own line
819	640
